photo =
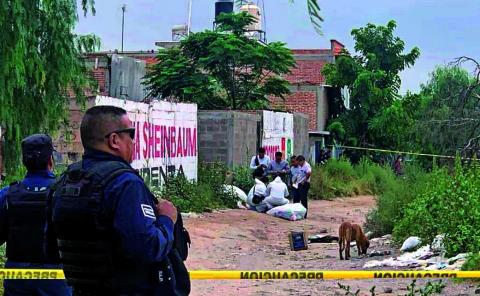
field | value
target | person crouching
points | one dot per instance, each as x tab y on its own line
277	193
256	195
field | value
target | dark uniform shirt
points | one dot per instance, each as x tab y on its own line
144	237
30	287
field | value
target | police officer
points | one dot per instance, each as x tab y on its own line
113	238
22	219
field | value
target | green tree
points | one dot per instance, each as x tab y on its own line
396	125
40	68
443	118
371	77
223	68
450	121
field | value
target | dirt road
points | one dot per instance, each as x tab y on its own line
245	240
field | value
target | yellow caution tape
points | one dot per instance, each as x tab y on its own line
402	152
326	275
57	274
31	274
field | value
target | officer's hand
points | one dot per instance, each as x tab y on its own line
166	208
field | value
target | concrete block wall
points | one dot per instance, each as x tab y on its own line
300	134
227	136
245	137
214	136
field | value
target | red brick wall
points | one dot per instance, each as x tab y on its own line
304	102
336	47
100	75
307	72
311	51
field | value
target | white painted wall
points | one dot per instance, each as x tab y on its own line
277	133
166	137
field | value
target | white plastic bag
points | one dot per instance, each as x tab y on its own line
236	191
290	212
437	244
411	244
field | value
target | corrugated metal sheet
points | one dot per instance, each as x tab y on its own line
126	78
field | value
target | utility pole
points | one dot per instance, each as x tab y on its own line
124	8
189	16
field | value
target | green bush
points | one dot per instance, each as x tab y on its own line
472	263
242	178
205	194
332	179
450	206
394	195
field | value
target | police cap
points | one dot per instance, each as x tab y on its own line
37	146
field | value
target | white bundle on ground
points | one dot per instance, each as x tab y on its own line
292	212
241	196
411	244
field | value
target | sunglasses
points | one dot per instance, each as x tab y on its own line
130	131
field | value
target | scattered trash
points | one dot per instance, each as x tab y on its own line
437	244
411	244
380	253
385	240
292	212
437	266
387	290
392	262
323	230
325	239
423	258
456	258
428	256
190	215
477	291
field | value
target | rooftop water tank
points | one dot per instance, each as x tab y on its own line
225	6
253	10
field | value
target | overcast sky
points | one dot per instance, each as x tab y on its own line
442	29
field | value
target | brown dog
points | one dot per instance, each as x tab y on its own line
349	232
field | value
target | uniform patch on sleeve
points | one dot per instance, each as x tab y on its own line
148	211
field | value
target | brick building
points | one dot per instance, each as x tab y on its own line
120	76
309	92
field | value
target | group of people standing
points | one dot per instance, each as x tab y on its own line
288	180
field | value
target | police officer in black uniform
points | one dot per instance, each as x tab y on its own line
22	220
113	237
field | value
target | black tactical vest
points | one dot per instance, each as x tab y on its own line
88	249
26	223
84	227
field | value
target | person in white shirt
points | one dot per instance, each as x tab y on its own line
276	193
303	181
260	162
293	175
256	197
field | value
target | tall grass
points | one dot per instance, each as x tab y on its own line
340	178
207	193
